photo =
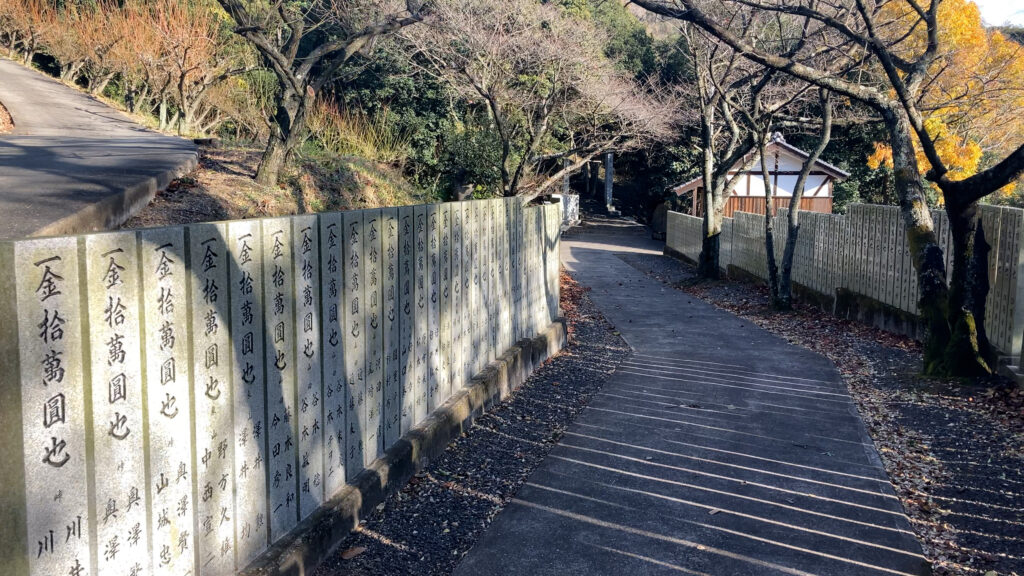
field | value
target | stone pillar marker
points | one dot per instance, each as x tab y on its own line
166	348
42	400
491	293
515	246
566	179
249	388
309	376
334	410
406	306
354	343
115	368
373	307
444	379
456	372
552	233
500	277
609	174
392	329
513	260
480	280
279	352
211	372
468	291
433	306
421	312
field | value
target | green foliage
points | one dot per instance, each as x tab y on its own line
414	104
848	150
472	155
578	8
628	42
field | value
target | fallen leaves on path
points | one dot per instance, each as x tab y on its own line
953	449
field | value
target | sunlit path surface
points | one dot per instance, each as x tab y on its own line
73	164
715	449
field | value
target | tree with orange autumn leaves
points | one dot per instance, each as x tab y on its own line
973	98
175	58
900	58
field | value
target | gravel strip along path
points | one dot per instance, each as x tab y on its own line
954	450
430	524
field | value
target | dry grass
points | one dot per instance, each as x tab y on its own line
222	188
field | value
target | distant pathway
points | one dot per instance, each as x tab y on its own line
717	448
73	163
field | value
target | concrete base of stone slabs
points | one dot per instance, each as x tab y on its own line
315	538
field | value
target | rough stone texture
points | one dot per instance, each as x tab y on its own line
421	323
248	385
211	371
168	360
318	535
308	367
467	292
373	324
457	311
332	282
279	350
434	368
407	346
114	333
73	164
43	400
354	343
392	330
444	376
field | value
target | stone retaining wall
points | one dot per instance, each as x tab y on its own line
175	401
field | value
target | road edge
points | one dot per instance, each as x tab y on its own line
116	209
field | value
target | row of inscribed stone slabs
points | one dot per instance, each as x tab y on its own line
211	384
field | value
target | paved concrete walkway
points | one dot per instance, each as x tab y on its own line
717	448
72	163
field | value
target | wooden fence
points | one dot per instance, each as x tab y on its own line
866	253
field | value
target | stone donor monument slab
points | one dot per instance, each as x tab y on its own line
332	282
174	401
114	330
168	383
215	449
249	388
43	410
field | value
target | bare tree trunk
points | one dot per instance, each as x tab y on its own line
969	352
924	249
69	71
785	297
708	265
163	113
98	84
595	178
769	226
286	133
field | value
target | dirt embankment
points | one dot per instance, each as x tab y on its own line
6	122
222	188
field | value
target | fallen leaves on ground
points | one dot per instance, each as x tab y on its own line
953	449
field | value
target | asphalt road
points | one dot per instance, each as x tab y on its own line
73	164
715	448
